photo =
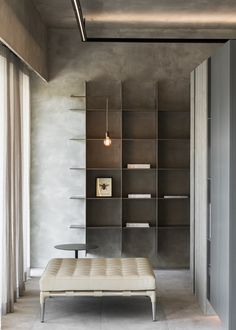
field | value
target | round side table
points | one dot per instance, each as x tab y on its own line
76	247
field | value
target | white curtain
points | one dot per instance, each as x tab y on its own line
14	178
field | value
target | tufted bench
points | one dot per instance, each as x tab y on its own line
98	277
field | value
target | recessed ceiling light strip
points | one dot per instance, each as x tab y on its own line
81	24
79	17
158	40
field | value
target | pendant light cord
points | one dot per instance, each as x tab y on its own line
106	114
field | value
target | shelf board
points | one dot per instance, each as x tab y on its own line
174	111
121	139
175	198
104	168
153	198
102	138
124	227
78	96
154	110
148	199
174	139
131	169
104	227
77	139
173	169
151	227
77	227
133	139
77	197
102	110
139	169
139	139
173	227
102	198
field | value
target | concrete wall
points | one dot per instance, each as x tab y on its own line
23	31
71	63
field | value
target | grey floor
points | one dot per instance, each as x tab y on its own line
177	309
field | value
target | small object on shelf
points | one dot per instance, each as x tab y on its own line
176	196
103	187
131	166
139	195
137	225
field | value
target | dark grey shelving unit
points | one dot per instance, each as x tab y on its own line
140	134
133	128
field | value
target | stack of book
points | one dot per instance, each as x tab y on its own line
137	224
139	195
138	166
176	196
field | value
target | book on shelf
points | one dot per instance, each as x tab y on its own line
141	166
176	196
137	224
139	195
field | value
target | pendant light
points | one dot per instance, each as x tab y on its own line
107	141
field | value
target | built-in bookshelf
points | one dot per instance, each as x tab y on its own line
156	225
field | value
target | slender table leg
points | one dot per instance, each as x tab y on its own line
76	254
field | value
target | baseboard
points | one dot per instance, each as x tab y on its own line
209	309
36	272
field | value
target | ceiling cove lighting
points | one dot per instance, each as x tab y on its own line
81	24
168	19
79	18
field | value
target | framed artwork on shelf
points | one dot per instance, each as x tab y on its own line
103	187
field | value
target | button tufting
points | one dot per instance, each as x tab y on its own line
98	274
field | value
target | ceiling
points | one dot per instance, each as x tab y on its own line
146	18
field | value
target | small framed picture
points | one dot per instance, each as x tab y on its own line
103	187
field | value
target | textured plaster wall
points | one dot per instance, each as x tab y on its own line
70	64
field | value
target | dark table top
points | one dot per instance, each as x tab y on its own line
75	247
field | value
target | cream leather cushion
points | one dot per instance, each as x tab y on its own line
105	274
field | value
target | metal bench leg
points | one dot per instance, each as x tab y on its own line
152	296
43	297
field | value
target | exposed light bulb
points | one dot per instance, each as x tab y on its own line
107	141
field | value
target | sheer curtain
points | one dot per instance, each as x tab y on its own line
14	178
